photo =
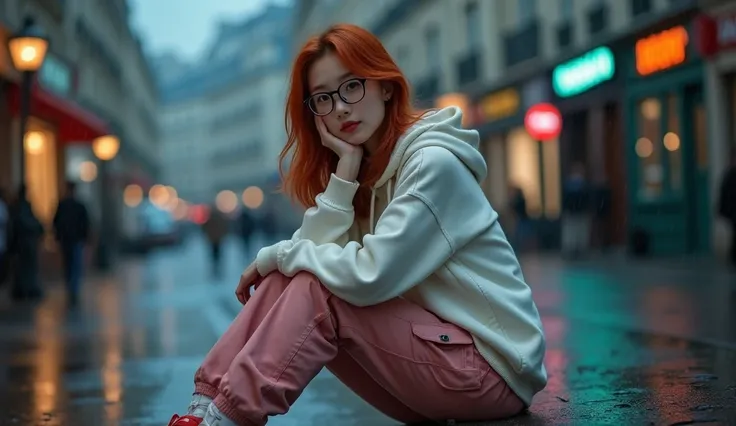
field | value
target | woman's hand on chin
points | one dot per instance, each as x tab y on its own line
249	278
337	145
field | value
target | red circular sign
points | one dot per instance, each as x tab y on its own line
543	122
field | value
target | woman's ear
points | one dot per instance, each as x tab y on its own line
387	89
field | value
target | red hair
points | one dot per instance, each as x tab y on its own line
311	163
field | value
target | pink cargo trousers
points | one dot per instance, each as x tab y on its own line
397	356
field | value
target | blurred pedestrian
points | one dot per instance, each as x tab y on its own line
26	232
216	228
247	227
727	202
4	237
523	231
575	212
400	279
71	229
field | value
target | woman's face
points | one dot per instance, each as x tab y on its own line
352	107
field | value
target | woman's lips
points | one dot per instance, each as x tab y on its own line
350	127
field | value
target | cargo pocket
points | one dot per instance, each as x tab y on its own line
449	353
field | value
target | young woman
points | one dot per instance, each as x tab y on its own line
400	280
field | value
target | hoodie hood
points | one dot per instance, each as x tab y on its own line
438	128
441	128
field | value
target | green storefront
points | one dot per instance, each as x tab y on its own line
666	145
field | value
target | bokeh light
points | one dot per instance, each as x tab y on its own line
133	195
226	201
88	171
253	197
159	196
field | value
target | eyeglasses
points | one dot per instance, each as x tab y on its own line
351	92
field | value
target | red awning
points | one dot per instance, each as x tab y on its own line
73	123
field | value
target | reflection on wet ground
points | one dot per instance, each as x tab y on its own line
626	345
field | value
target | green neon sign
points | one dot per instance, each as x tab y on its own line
584	72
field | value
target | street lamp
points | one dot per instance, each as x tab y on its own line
106	149
27	49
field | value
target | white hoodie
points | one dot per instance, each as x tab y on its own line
437	242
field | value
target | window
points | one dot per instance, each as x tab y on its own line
433	49
527	11
567	10
648	148
472	25
671	142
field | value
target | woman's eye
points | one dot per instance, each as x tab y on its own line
352	85
322	98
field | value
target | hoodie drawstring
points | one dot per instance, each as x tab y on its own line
373	206
389	194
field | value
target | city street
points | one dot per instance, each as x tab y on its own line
627	344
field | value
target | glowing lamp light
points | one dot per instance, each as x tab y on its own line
226	201
199	214
543	122
88	171
159	196
133	195
28	48
181	211
34	143
106	147
253	197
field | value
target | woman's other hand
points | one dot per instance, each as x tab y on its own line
249	278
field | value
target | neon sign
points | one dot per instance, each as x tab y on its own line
661	51
500	104
584	72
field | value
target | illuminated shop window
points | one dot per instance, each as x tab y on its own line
672	144
523	168
648	147
41	170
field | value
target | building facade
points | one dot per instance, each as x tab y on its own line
94	81
716	37
625	75
224	117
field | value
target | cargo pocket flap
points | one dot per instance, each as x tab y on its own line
444	335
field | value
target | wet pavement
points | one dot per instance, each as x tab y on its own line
628	344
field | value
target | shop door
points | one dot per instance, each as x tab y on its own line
660	180
701	206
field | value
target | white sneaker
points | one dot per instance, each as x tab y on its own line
215	418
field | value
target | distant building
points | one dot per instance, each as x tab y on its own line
230	105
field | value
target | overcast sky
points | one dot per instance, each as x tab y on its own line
187	26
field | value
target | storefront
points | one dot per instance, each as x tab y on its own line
588	91
716	37
55	121
514	158
8	75
666	146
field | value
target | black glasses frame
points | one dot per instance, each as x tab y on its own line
332	94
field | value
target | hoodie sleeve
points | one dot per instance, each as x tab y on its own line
410	241
327	222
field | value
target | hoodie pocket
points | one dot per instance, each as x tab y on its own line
448	352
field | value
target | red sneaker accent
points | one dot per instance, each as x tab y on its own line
185	421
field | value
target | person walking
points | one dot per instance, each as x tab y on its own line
71	229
